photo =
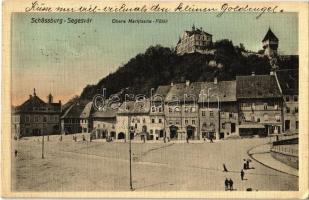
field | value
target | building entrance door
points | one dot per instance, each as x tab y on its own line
173	132
190	132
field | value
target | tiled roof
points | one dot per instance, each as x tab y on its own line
288	80
36	102
86	111
107	113
133	107
75	110
225	90
197	31
258	86
270	36
161	92
178	92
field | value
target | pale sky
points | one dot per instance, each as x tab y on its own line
64	58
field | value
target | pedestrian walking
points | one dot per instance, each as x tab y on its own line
187	139
224	168
245	164
226	183
60	139
15	153
242	174
231	184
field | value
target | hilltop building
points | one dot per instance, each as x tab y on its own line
196	40
35	117
270	44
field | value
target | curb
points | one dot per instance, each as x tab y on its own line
251	156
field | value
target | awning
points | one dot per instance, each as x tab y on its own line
251	126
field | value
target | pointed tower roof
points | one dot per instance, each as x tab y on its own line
270	36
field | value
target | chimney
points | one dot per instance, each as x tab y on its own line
34	94
215	81
187	83
172	84
253	73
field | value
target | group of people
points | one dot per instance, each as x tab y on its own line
228	184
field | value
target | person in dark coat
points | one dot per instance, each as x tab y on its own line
231	184
242	174
226	183
245	164
15	153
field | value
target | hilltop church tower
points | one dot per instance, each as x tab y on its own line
270	44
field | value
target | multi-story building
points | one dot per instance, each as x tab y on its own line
260	105
35	117
181	111
157	118
218	111
134	114
195	40
104	124
270	44
77	119
288	81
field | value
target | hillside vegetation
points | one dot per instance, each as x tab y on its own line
161	66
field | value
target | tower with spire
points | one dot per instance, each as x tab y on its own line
270	44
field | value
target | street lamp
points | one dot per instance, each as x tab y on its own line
43	140
131	130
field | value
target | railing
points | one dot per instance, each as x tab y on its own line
285	149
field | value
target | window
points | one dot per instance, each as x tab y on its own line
295	98
27	118
296	124
144	120
153	120
44	119
211	113
186	109
203	113
160	120
177	122
177	109
296	109
170	109
287	98
151	131
160	109
278	118
193	109
287	110
153	109
230	115
265	106
223	125
193	121
186	121
98	125
265	117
